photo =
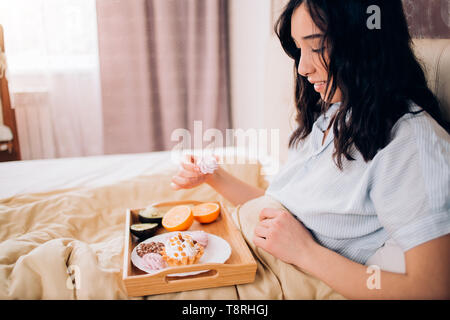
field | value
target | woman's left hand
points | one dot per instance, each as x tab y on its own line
283	236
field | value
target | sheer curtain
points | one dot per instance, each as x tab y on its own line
54	81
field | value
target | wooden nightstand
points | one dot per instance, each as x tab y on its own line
7	151
12	151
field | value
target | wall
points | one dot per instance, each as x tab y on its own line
261	73
428	18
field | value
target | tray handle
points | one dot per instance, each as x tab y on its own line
220	268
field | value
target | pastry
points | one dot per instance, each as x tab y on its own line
200	237
181	250
151	247
154	261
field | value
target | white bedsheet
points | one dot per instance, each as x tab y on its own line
45	175
33	176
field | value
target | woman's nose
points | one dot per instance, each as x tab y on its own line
305	66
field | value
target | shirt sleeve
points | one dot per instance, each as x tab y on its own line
410	182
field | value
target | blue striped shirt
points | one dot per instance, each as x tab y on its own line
401	194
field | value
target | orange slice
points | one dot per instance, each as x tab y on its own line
178	218
206	212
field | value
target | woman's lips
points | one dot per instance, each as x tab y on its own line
320	86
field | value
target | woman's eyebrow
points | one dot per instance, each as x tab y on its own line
309	37
313	36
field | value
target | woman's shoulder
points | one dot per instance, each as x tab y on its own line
420	127
417	138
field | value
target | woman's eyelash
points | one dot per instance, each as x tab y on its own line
320	50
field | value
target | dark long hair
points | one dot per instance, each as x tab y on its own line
375	69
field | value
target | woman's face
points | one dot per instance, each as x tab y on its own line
308	38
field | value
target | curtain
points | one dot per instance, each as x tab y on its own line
54	76
167	65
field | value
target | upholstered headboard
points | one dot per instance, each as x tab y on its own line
435	57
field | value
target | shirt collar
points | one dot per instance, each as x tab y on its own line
324	120
320	126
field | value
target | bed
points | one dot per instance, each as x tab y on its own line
62	228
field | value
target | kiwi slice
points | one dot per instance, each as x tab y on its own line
143	230
151	215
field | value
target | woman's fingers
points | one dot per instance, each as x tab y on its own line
268	213
187	174
190	167
180	181
190	159
261	232
266	223
175	186
259	242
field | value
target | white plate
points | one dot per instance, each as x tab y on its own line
217	251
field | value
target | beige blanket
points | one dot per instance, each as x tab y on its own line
67	244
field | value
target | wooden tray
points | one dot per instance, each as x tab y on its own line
239	268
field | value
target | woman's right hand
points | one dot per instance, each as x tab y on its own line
231	188
189	176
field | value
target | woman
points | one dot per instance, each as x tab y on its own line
384	181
